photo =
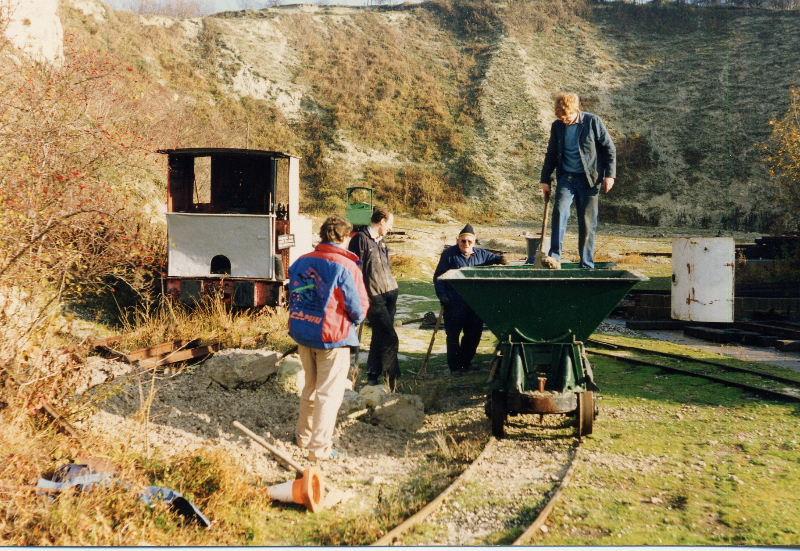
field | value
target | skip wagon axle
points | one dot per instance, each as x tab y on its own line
541	378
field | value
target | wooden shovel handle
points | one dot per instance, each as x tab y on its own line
544	226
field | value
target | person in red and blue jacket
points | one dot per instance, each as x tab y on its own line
327	300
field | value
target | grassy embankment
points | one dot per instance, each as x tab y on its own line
429	102
679	460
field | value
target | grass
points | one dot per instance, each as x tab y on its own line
655	345
211	478
211	321
677	460
114	515
421	486
672	459
404	265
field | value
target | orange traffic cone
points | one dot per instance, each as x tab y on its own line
308	490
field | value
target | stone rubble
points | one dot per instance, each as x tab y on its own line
237	368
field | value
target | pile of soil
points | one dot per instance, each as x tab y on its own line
189	410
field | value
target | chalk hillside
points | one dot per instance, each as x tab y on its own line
442	100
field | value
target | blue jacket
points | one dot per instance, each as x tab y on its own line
598	153
453	259
327	298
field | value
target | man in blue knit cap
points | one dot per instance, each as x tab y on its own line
458	317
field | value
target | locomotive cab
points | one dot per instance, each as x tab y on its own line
233	224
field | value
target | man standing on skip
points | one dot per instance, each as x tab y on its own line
583	155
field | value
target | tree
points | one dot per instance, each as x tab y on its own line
75	139
784	158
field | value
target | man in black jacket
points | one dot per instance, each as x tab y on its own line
583	155
370	247
462	326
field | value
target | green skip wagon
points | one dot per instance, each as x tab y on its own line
541	318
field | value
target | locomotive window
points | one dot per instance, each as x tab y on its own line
201	196
281	182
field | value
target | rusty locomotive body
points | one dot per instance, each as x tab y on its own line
233	224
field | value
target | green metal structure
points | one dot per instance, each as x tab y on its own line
541	318
569	266
359	205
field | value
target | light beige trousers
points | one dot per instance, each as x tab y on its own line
326	373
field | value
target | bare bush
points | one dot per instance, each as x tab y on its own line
784	158
67	134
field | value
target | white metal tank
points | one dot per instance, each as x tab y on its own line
702	279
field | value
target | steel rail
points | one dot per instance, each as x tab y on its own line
544	513
391	537
771	376
758	390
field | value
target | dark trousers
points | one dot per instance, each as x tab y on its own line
384	344
460	318
574	188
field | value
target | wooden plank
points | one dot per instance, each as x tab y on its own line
713	335
107	341
754	339
767	329
657	325
179	356
162	349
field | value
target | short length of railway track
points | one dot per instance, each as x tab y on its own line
757	381
509	490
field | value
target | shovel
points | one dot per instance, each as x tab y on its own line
439	318
539	257
307	489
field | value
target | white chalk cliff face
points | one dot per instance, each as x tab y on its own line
35	28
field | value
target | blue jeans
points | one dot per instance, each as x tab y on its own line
573	187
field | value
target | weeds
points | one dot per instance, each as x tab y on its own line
633	259
114	514
211	320
443	446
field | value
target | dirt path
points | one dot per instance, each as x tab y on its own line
189	411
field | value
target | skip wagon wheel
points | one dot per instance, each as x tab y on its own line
586	412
